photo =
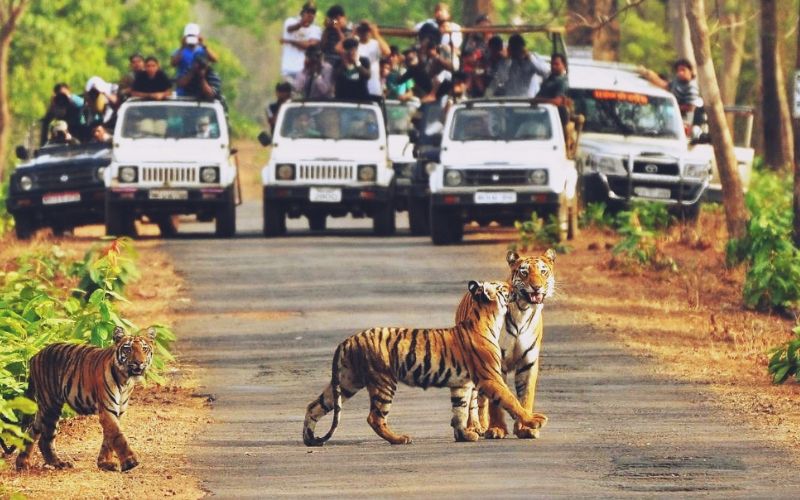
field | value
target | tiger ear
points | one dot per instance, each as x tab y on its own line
474	287
550	255
511	258
119	332
151	332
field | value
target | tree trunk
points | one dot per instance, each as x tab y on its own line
778	141
732	196
796	197
471	9
10	12
580	15
732	39
679	28
605	46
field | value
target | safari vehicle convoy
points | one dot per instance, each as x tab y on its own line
171	158
502	161
60	187
329	158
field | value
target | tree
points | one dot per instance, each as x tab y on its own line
796	197
605	45
679	29
776	122
10	13
732	196
473	8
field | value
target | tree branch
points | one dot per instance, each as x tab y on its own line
600	21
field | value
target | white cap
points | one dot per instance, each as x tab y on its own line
101	85
191	32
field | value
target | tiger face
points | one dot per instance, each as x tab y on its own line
133	354
532	278
492	295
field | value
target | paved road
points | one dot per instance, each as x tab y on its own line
614	431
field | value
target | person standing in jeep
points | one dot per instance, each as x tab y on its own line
352	73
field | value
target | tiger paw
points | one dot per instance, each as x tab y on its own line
495	433
465	435
109	466
59	464
537	421
23	463
527	433
401	440
477	429
129	464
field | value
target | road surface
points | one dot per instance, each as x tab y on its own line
268	314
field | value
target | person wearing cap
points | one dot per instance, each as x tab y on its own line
192	45
315	81
373	47
201	81
337	29
59	134
152	83
352	73
299	33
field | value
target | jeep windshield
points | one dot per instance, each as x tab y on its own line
399	118
501	123
627	113
330	122
169	121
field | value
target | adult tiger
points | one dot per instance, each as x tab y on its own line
532	280
460	358
91	380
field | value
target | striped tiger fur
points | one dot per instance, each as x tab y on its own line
90	380
461	358
532	280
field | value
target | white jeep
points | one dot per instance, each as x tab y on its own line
502	161
329	158
170	158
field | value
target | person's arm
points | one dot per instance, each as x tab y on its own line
363	67
212	56
539	66
652	77
384	47
177	56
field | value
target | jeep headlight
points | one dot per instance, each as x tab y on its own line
453	178
209	174
284	172
127	174
25	183
430	167
99	173
403	169
538	177
697	170
367	173
610	166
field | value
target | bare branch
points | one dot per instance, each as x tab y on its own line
600	21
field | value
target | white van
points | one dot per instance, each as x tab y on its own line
633	145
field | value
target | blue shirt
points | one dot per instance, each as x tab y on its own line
187	58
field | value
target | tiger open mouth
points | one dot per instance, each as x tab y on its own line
134	371
533	296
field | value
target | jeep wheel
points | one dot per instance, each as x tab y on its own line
418	216
118	222
317	221
24	226
446	226
274	220
225	220
167	226
383	222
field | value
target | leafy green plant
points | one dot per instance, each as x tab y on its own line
11	432
596	215
784	362
535	232
772	280
641	228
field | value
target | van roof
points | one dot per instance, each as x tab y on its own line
588	74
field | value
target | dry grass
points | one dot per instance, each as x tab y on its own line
160	422
690	324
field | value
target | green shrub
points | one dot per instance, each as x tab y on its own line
6	221
535	232
772	280
784	360
640	229
596	215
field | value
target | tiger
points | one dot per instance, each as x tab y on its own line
532	280
463	357
90	380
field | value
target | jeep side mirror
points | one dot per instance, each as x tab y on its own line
264	138
22	153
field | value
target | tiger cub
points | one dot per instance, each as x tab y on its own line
90	380
461	358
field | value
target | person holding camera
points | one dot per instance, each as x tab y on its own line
352	73
299	33
372	46
316	79
59	134
192	46
337	29
201	81
63	106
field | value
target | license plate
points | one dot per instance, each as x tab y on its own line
58	198
169	194
647	192
325	195
495	197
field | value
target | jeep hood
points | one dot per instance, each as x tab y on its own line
169	150
614	144
299	150
480	153
400	150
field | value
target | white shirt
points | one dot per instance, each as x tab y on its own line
292	58
454	34
372	51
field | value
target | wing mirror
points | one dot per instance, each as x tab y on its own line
264	138
22	153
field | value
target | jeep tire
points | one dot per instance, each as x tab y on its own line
274	220
419	216
118	221
446	226
225	219
317	221
383	220
24	226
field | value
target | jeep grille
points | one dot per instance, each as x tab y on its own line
57	178
326	172
163	175
496	177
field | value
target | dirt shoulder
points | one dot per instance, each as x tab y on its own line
161	420
689	325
